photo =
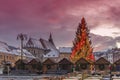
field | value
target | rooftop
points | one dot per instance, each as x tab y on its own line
65	49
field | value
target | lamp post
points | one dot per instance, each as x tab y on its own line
8	69
22	37
110	72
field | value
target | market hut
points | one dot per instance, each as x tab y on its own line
116	65
49	66
102	65
34	65
82	64
21	64
65	64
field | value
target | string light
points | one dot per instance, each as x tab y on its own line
82	45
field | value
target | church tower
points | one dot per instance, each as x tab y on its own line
51	39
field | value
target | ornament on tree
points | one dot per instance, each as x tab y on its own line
82	44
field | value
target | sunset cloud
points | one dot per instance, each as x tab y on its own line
38	18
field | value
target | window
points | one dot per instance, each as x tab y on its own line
7	57
12	58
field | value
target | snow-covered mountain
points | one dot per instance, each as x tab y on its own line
7	49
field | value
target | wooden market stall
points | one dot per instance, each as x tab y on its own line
65	64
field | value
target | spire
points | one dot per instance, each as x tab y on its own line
83	23
83	20
50	39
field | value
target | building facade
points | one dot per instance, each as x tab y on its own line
35	48
42	49
10	54
113	55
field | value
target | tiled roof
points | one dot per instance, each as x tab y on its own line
102	61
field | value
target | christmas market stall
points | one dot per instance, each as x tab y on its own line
49	66
82	65
34	66
21	64
116	66
65	64
102	65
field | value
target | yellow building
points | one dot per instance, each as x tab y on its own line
9	54
7	57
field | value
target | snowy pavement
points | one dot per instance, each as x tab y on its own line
36	77
23	77
20	77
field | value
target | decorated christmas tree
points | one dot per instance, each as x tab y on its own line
82	44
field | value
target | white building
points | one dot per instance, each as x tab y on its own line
113	54
42	49
110	57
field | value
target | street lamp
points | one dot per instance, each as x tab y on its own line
21	37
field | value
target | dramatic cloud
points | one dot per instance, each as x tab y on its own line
103	42
38	18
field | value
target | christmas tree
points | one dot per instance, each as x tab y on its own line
82	44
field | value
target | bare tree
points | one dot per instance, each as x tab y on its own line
22	37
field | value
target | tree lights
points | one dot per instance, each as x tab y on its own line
82	44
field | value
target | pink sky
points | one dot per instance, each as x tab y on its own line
37	18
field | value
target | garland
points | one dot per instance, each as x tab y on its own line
83	66
101	66
48	67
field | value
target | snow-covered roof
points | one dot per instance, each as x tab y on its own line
7	49
25	53
52	53
65	49
53	50
4	47
46	44
34	43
